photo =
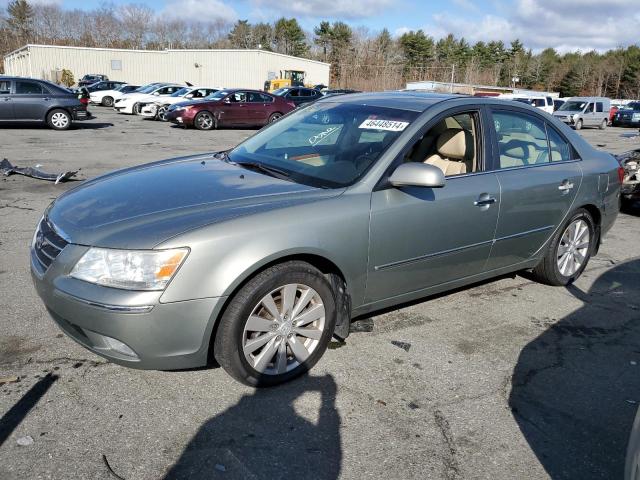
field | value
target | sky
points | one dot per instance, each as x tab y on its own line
566	25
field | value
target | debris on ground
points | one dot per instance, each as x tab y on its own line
403	345
25	441
6	169
220	467
364	325
11	379
106	462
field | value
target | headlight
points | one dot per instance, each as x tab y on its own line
129	269
635	116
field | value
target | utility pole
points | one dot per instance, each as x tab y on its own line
453	74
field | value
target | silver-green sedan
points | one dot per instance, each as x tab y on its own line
257	256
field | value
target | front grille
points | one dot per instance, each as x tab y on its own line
48	244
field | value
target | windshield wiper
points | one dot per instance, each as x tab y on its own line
272	171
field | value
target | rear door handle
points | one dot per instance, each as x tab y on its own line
565	186
46	99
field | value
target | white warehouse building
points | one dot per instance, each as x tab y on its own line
226	68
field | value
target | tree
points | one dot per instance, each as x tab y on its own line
323	37
263	36
20	20
417	48
67	78
241	35
289	38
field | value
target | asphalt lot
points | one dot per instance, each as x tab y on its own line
507	379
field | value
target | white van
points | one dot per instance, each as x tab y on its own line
542	102
585	112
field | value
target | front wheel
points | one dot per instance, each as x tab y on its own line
204	121
107	101
161	114
604	124
135	109
578	125
59	119
277	326
569	251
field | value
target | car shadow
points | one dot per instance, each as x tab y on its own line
264	436
576	387
85	125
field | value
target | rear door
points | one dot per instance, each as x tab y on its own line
539	175
31	100
6	100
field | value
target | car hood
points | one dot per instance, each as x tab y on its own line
143	206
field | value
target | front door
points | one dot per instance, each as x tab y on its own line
539	178
30	101
6	100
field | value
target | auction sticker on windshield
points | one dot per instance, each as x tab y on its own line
379	124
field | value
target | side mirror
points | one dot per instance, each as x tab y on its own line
416	174
189	95
227	100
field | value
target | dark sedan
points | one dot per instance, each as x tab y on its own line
230	108
31	100
628	115
90	79
298	95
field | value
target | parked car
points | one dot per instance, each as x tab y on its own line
612	113
258	255
104	85
542	102
156	108
298	95
91	78
628	115
31	100
581	112
339	91
106	97
230	107
130	102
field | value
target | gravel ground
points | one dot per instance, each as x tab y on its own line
506	379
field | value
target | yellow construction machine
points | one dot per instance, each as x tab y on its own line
287	78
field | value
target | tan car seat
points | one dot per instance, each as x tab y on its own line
452	150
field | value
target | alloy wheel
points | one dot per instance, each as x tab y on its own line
573	247
283	329
60	120
204	121
162	111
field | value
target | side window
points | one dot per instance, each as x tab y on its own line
239	97
522	139
560	148
549	102
28	88
253	97
5	87
266	98
294	93
599	107
452	145
589	108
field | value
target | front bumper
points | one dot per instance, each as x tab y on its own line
149	111
160	336
123	108
179	117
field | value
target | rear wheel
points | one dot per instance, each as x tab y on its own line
107	101
274	116
569	251
277	326
204	121
59	119
578	125
603	124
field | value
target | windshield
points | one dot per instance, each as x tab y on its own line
631	106
219	95
572	106
328	145
281	91
181	92
147	88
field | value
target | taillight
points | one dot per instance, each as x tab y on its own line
620	174
84	101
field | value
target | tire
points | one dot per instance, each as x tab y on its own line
161	112
552	270
205	121
59	119
603	124
135	110
578	125
281	351
274	116
107	101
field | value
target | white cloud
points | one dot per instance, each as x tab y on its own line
199	10
565	25
340	10
398	32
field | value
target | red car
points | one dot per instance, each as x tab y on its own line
612	114
227	108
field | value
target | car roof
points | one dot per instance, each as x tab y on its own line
405	100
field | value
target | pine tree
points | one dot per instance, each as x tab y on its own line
20	20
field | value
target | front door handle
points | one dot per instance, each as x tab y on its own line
565	187
484	200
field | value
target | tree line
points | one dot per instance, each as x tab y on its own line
359	58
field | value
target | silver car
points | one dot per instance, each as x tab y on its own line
257	256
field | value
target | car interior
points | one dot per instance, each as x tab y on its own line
451	145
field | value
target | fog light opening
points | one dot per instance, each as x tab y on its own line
118	346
